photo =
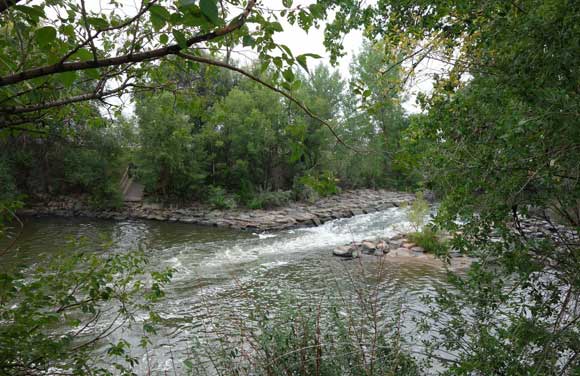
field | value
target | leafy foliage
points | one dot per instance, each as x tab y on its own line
418	211
500	145
52	313
87	162
430	241
219	198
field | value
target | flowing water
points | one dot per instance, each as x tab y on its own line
217	269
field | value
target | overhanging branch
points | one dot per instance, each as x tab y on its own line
128	58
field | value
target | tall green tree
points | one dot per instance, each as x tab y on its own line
374	118
500	142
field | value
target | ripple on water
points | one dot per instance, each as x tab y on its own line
226	274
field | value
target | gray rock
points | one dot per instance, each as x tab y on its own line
152	206
368	246
400	252
346	251
379	252
382	245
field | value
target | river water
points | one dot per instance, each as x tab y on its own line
217	270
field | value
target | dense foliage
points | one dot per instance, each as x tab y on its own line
498	140
500	146
53	314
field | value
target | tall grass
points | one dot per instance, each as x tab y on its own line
353	332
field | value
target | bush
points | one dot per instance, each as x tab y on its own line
429	240
418	211
304	192
220	199
49	312
269	200
324	185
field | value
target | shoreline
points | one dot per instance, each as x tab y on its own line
294	215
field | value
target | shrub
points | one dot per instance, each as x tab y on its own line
220	199
418	211
269	200
304	192
324	185
429	240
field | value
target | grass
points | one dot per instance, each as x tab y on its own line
430	241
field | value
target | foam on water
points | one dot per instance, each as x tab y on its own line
331	234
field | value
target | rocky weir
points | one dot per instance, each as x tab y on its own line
298	214
400	247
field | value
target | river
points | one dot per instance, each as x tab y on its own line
213	266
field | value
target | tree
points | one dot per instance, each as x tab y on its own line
500	143
83	54
167	159
373	118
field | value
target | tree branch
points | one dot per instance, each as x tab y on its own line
139	14
128	58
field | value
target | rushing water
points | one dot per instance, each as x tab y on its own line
213	266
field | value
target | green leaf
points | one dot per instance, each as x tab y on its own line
180	38
301	59
68	30
93	73
45	36
264	66
288	75
34	12
210	10
163	38
286	49
67	78
157	22
160	12
247	40
83	55
97	22
276	26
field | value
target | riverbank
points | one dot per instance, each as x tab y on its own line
297	214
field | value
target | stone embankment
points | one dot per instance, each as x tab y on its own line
344	205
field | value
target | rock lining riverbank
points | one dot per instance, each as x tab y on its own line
298	214
400	247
